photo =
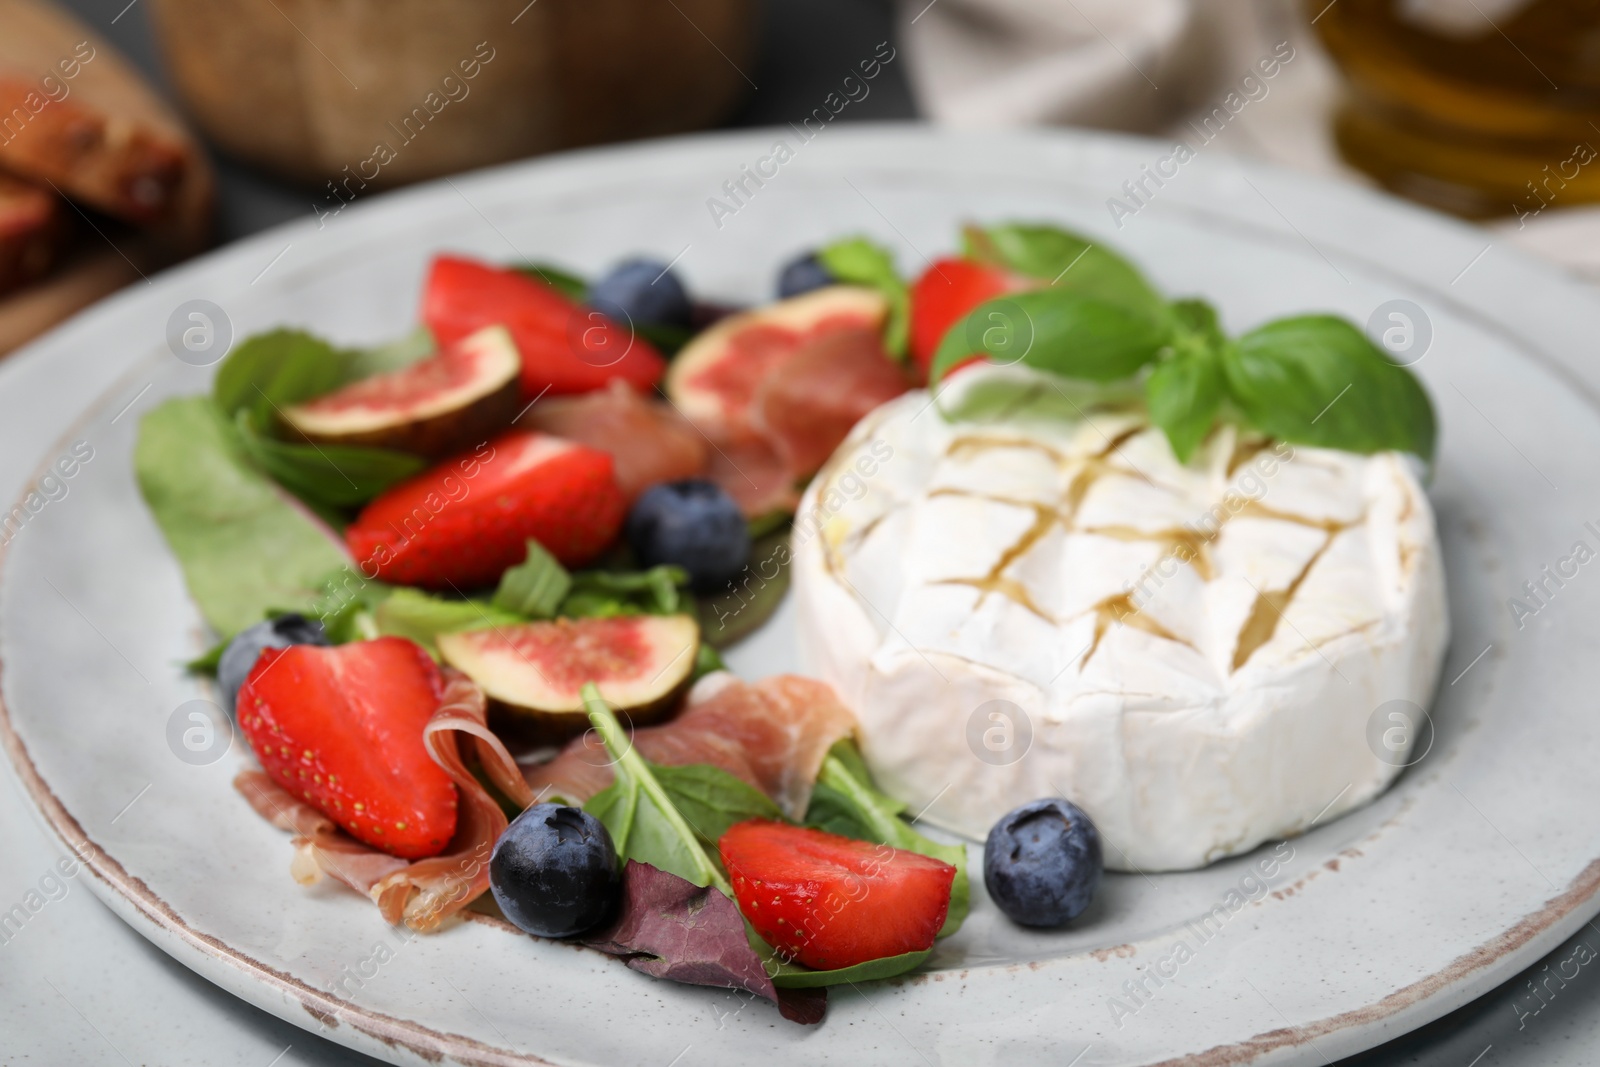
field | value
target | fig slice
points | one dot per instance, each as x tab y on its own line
641	664
441	405
714	379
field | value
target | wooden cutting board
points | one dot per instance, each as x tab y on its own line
36	39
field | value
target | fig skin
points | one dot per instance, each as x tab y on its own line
528	706
435	437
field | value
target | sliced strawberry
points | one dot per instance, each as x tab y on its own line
947	291
831	902
461	524
341	728
566	347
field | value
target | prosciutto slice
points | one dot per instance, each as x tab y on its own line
807	404
649	442
773	735
424	893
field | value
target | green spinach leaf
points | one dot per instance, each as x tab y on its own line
858	261
335	476
244	545
644	823
1316	380
793	976
711	800
845	802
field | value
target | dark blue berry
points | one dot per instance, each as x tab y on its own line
642	292
554	871
693	524
1042	862
801	275
246	646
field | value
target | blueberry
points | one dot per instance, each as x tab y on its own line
554	871
642	292
693	524
246	646
1042	862
801	275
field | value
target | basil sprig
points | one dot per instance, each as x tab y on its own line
1309	379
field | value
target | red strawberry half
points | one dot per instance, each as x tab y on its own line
828	901
566	347
462	523
341	728
947	291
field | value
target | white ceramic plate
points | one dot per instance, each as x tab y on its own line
1484	856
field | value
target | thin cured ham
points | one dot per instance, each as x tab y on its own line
649	442
773	735
807	403
424	893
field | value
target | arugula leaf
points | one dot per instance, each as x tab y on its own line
329	475
244	545
1056	330
845	802
1316	380
858	261
535	587
564	282
792	976
1066	260
422	617
644	823
711	799
657	591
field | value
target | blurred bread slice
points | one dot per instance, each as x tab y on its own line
140	182
32	232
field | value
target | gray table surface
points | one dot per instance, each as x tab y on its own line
78	986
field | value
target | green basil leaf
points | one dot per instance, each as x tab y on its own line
846	802
1198	320
711	800
566	283
858	261
643	821
1316	380
244	545
791	976
535	587
330	475
1067	261
1184	394
1056	330
422	617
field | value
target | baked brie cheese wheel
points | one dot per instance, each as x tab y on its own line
1044	601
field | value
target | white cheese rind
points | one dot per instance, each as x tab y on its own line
1180	755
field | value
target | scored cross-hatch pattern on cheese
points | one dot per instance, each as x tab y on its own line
1196	647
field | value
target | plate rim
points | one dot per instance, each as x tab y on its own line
251	979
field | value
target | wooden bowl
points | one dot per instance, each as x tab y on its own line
361	93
